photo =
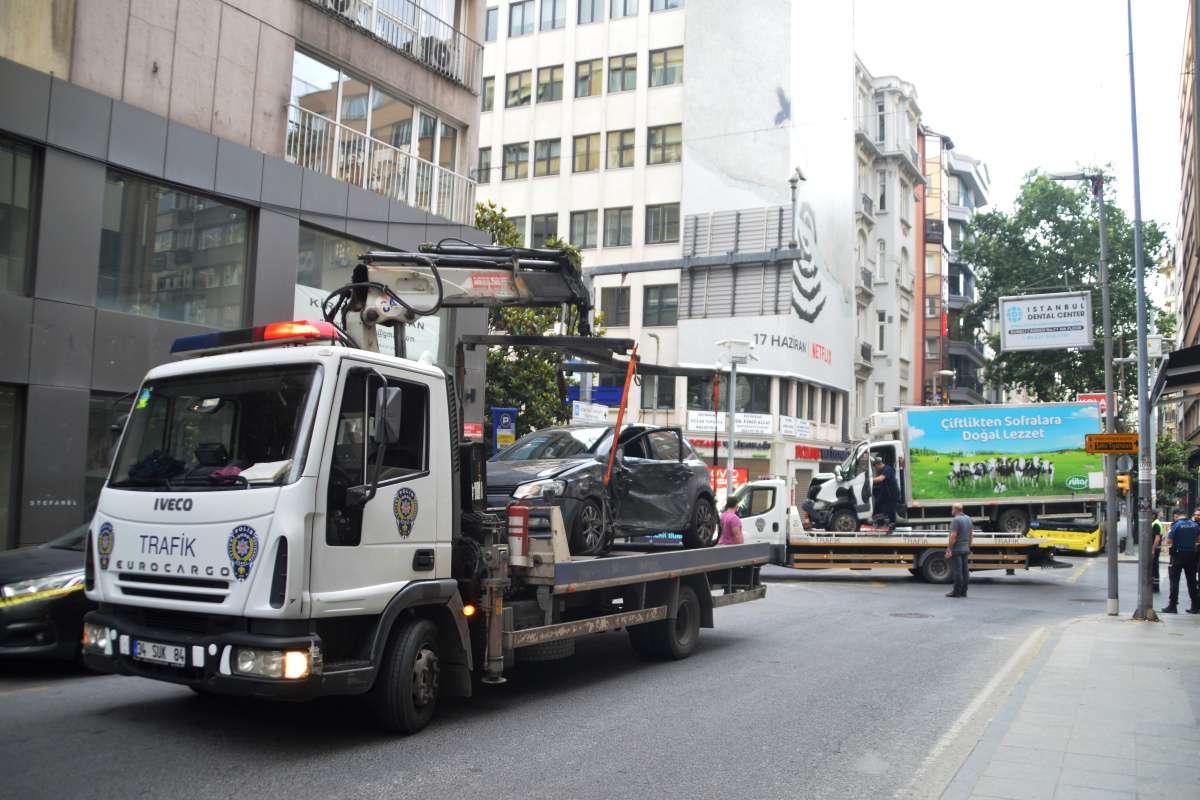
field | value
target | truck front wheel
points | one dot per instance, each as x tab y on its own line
670	639
1013	520
843	520
404	697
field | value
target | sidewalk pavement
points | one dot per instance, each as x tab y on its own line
1110	708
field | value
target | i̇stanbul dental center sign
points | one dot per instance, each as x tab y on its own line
1046	321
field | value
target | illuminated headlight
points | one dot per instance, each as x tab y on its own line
539	489
95	638
62	582
290	665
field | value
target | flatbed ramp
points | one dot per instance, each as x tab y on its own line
582	574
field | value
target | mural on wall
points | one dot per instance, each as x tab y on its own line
806	276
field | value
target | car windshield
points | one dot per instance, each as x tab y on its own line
72	540
235	429
553	443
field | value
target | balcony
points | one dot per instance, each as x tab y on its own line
967	348
864	352
864	287
866	208
320	144
412	31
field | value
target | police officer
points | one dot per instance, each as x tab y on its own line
885	491
1157	529
1181	547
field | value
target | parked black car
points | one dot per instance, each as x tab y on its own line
659	484
41	598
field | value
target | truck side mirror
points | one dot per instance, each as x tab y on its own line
387	415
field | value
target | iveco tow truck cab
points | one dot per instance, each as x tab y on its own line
290	515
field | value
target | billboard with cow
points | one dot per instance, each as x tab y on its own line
997	452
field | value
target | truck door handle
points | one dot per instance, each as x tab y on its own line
775	527
423	560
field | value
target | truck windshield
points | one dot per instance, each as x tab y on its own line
237	429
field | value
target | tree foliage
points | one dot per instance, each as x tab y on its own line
1171	461
528	379
1050	242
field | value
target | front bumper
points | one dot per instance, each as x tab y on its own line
210	659
48	628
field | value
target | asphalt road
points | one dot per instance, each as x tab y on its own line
838	684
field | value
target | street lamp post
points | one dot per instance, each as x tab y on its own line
739	353
1110	470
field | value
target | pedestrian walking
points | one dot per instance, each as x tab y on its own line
1158	528
1181	550
731	523
884	492
958	549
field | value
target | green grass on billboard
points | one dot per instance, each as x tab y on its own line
931	476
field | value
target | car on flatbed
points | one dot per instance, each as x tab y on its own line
659	484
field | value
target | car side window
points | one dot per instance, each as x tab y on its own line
757	501
634	444
665	445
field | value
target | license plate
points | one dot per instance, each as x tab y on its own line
170	654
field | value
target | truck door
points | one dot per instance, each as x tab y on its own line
362	555
764	514
860	482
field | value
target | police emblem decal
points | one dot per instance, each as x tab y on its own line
104	544
243	549
404	507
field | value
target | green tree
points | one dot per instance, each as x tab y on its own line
528	379
1050	242
1171	461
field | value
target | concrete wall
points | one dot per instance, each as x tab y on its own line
38	33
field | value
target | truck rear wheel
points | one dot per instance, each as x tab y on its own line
404	696
936	568
670	639
1014	521
843	520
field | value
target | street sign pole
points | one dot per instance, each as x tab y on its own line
1110	473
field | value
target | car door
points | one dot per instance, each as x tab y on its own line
762	520
361	556
650	492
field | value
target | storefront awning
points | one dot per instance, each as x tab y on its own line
1178	375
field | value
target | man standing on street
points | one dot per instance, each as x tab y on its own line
1181	548
958	549
1157	528
885	491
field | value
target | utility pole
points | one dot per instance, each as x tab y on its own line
1145	601
739	353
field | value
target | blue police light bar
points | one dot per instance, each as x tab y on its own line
263	335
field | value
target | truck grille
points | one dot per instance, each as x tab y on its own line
173	587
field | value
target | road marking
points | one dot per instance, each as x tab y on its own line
1082	568
968	727
23	691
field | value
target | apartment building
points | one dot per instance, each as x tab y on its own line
888	238
1187	228
628	128
956	187
175	166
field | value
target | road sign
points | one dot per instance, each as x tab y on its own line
588	412
1094	397
1112	444
1124	464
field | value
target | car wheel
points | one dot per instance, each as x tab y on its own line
587	531
705	531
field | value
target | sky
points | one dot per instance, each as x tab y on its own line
1041	84
933	429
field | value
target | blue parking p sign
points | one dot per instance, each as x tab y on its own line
504	428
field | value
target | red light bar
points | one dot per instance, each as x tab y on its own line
275	333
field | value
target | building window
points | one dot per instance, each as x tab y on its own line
541	228
622	73
588	76
882	205
662	223
834	401
197	277
660	305
622	8
666	66
784	386
519	224
550	84
620	149
487	94
664	5
931	346
483	172
490	24
664	144
583	229
518	89
326	261
905	201
520	18
880	120
880	331
10	464
614	304
591	11
931	306
554	14
618	227
658	392
880	397
516	161
545	157
104	411
586	153
17	184
932	267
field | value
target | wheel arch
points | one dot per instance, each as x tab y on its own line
439	602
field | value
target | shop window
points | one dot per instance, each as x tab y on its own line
16	215
10	463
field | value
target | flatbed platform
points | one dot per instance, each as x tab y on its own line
583	573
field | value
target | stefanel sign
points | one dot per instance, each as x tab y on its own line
1046	321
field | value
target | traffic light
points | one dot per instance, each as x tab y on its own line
1123	483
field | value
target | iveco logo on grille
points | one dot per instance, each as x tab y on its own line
172	504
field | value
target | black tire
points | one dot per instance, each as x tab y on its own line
1013	521
587	530
843	520
672	639
404	697
705	529
641	640
935	568
916	573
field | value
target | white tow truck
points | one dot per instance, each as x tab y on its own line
768	519
291	515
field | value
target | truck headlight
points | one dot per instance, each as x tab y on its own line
60	583
549	488
290	665
95	638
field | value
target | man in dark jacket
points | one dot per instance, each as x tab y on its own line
1181	547
885	492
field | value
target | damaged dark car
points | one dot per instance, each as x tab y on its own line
659	484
